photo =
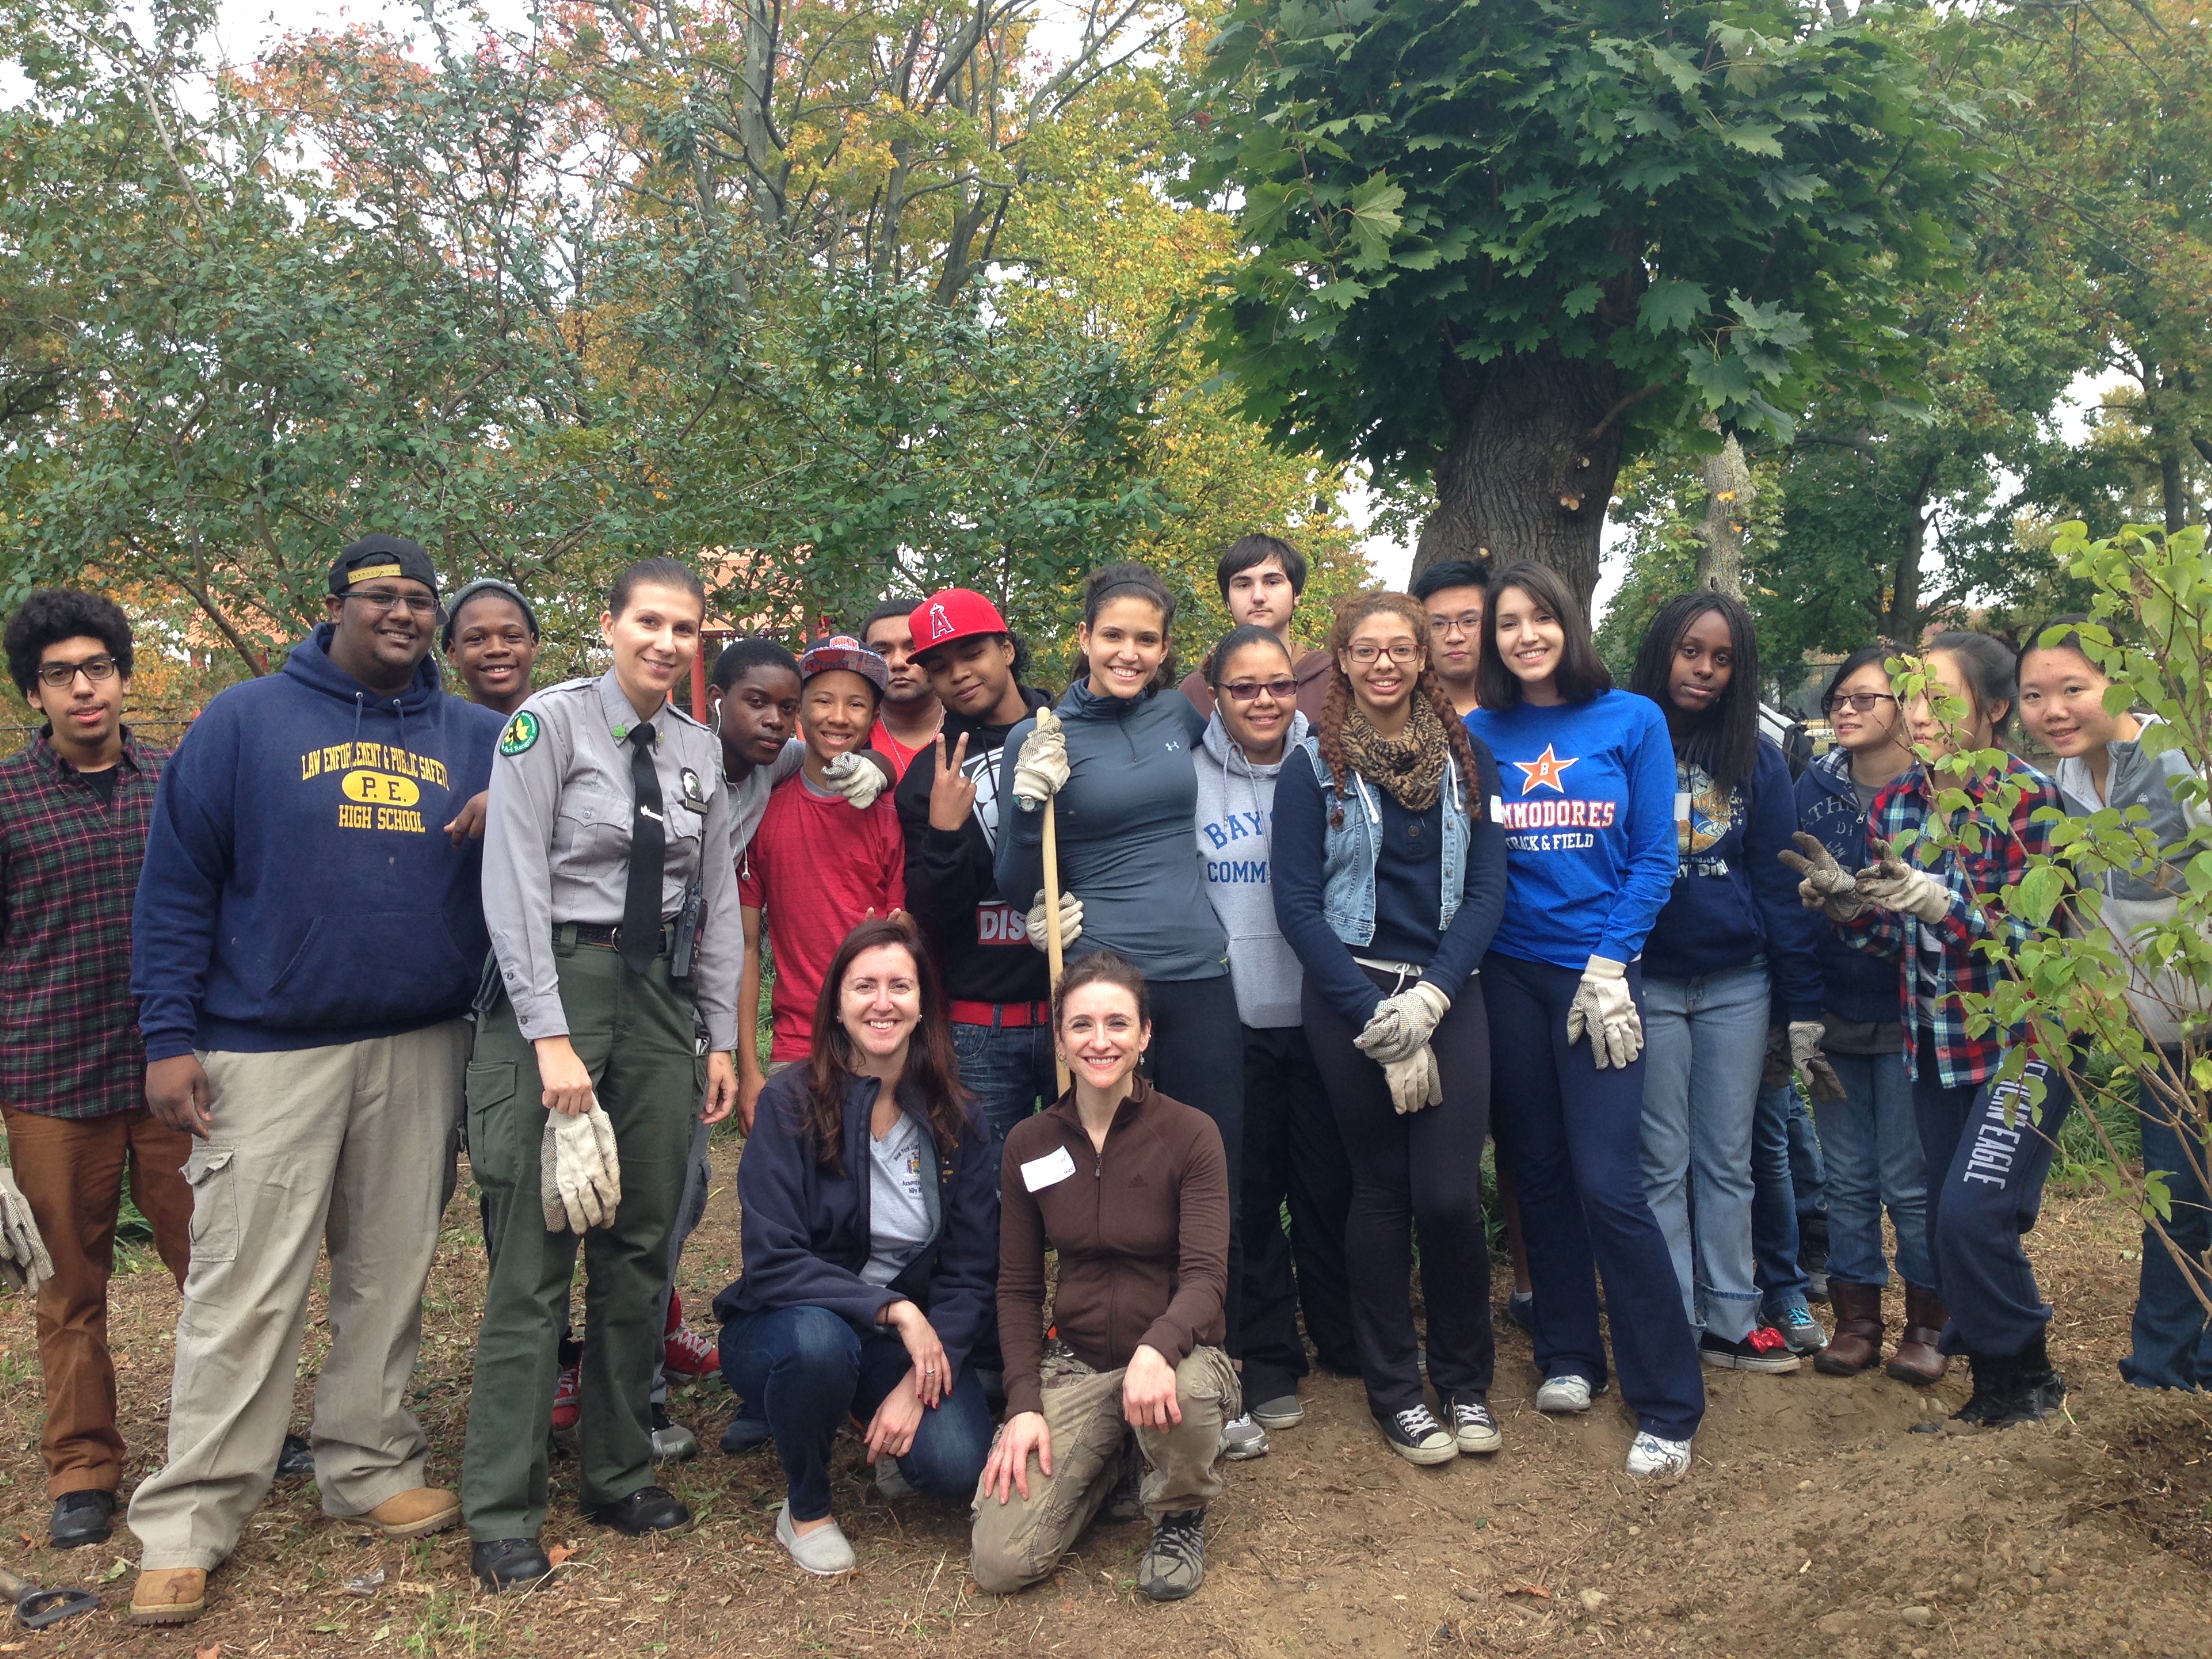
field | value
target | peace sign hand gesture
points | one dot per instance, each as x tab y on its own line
952	792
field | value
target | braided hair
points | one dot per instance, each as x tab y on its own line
1352	611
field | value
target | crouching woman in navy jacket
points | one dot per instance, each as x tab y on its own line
870	1239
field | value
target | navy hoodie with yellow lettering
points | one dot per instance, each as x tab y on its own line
299	887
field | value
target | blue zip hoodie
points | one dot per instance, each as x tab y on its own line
1854	986
298	889
1735	901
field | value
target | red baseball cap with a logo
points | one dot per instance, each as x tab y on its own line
953	613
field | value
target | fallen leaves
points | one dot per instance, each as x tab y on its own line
116	1571
559	1553
365	1584
1536	1590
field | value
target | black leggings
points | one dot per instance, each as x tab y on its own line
1421	1168
1197	1057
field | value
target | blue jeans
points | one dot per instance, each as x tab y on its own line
1568	1133
1774	1241
1870	1147
2172	1344
806	1371
1008	1070
1705	1045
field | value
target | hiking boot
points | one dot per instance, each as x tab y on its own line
671	1441
1992	1392
2036	1392
1801	1331
1283	1412
1653	1457
417	1513
1560	1394
683	1350
1473	1425
506	1563
1175	1563
1857	1345
1242	1440
1416	1436
649	1509
1917	1360
169	1595
1763	1350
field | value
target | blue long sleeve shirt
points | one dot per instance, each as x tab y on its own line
1587	799
1735	901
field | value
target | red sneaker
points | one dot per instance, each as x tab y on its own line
567	1397
683	1350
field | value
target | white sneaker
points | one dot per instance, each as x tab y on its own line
1242	1439
1564	1394
825	1552
1652	1458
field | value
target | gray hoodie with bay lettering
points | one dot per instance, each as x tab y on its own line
1236	844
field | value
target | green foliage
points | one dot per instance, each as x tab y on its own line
1722	204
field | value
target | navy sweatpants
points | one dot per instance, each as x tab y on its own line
1572	1136
1984	1192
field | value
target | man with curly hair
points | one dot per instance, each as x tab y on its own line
74	805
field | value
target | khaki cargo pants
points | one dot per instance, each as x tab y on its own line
1019	1543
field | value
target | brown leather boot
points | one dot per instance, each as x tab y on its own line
1857	1345
1917	1361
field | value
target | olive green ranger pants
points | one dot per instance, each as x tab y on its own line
636	1035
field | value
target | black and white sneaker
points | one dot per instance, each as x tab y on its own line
1764	1350
1416	1436
1473	1425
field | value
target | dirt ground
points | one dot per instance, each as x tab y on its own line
1813	1522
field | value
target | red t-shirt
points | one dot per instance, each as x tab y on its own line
815	868
893	750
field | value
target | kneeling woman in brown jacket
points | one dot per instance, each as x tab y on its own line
1132	1188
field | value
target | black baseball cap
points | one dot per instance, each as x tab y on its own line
487	585
385	556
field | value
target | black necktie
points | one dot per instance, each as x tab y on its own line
648	851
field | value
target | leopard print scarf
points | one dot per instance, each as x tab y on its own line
1410	766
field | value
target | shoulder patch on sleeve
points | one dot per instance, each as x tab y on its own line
520	734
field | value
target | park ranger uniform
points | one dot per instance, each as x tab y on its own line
570	784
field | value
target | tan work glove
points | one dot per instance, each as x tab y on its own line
1827	886
857	778
24	1263
1414	1081
1071	921
1894	885
1603	1007
1040	768
579	1176
1402	1024
1821	1079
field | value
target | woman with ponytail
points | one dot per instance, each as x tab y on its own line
1389	877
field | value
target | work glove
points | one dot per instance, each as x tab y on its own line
857	778
1414	1081
24	1263
1402	1024
1071	921
1778	1069
1821	1079
1894	885
1040	768
579	1176
1827	887
1603	1007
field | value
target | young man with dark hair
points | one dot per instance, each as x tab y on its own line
948	807
1261	577
911	715
1451	592
491	636
311	833
74	805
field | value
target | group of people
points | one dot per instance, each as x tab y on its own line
1333	919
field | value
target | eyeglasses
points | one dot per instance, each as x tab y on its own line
59	674
1861	702
418	605
1280	689
1400	652
1467	622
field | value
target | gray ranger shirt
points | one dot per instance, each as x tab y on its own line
556	844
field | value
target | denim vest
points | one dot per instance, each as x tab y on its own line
1352	840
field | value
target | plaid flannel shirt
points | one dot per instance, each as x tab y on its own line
2006	842
69	865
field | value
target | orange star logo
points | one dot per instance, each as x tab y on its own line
1543	772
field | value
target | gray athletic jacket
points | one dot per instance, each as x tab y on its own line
1236	841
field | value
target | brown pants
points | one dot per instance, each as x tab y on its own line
1017	1543
71	1172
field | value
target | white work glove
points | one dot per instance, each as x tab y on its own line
1402	1024
1820	1079
857	778
1040	768
1896	885
1603	1007
579	1176
24	1263
1414	1081
1827	887
1071	921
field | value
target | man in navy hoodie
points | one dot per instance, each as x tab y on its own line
306	940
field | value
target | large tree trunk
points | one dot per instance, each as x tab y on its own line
1727	509
1531	466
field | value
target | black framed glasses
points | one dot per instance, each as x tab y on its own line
59	674
1861	702
1467	622
383	599
1281	690
1401	651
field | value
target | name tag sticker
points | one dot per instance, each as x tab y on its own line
1040	1173
1681	807
1497	810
